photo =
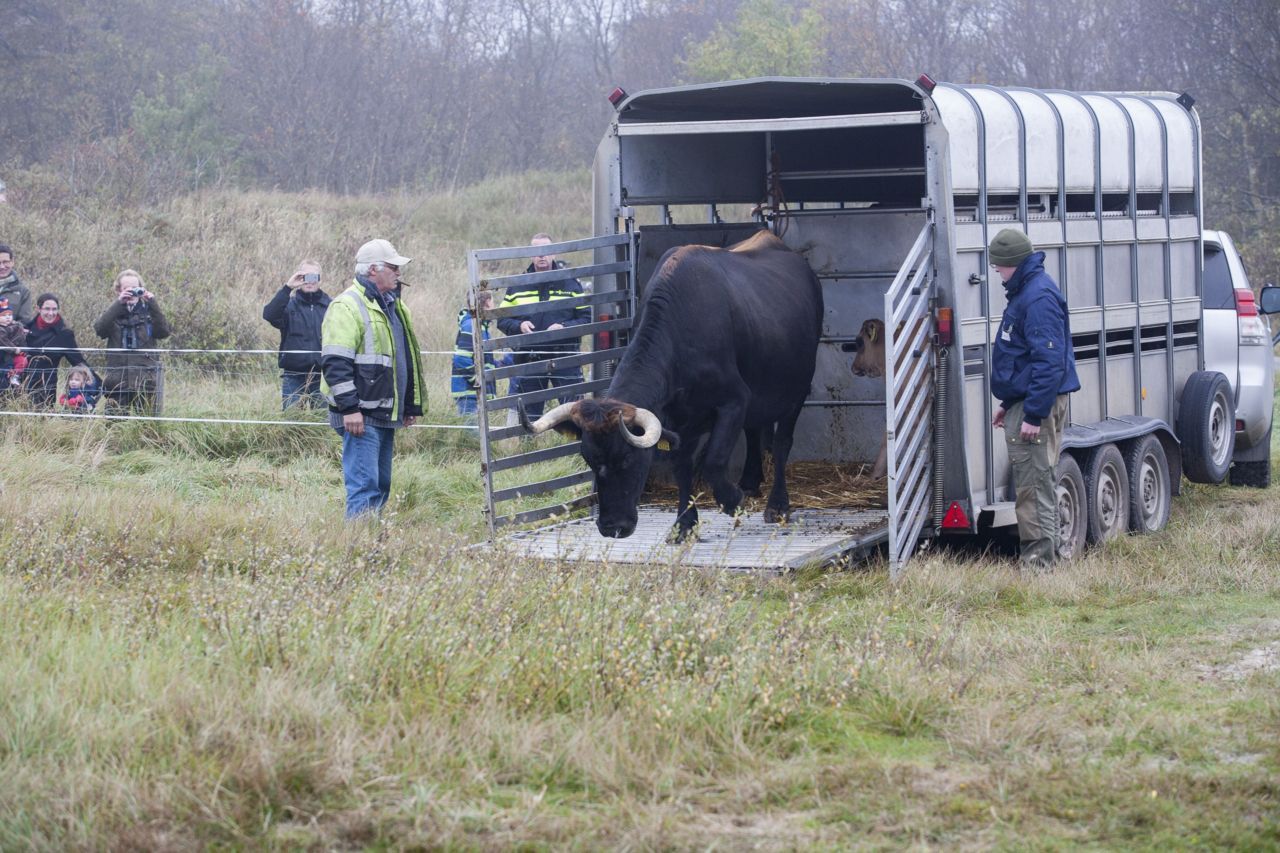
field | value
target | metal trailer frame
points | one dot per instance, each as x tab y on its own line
893	191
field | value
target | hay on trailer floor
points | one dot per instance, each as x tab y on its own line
813	485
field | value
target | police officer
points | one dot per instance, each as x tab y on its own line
555	318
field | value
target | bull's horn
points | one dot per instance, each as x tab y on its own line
647	421
550	420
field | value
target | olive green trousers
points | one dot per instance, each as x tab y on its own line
1035	482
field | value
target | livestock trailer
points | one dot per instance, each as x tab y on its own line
892	190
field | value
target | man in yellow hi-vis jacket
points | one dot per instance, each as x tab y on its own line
372	373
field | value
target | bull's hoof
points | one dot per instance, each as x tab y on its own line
773	515
681	534
731	501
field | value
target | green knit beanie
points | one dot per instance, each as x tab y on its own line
1010	248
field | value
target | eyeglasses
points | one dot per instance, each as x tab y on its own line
391	267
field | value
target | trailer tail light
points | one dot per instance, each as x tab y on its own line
956	519
944	328
604	340
617	96
1252	330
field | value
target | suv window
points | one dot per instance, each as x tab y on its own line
1218	292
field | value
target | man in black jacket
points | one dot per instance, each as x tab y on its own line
297	311
544	321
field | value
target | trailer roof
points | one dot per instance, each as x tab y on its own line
1005	139
771	97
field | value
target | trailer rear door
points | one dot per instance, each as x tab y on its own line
909	394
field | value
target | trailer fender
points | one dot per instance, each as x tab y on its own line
1121	431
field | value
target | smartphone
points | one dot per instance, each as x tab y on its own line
310	277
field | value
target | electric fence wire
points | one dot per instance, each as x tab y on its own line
220	372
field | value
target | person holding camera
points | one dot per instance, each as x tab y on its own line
131	326
297	310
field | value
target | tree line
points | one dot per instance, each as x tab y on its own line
136	99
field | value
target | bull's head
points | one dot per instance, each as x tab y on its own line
869	346
617	444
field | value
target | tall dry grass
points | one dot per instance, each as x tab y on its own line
198	652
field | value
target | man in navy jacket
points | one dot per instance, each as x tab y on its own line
1033	369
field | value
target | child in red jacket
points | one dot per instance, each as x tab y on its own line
82	390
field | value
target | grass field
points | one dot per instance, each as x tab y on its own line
198	652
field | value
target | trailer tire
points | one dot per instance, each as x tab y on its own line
1207	427
1150	492
1073	509
1107	487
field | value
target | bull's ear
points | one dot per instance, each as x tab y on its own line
669	441
569	429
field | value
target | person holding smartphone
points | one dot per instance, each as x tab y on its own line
297	310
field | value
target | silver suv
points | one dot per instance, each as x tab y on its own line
1238	344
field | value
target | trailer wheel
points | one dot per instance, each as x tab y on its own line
1207	427
1107	487
1073	509
1150	492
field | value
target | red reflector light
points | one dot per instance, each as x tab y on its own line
955	519
604	340
617	95
945	335
1246	305
924	81
1239	425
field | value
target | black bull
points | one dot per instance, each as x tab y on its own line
726	342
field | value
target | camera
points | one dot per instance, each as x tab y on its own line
310	278
137	291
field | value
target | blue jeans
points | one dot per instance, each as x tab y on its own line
300	389
366	469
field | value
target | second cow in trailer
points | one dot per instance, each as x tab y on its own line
726	342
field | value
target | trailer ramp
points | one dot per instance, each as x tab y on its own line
813	537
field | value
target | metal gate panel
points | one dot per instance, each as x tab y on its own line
909	394
612	315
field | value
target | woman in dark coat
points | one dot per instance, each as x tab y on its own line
49	342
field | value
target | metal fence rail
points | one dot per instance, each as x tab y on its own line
612	313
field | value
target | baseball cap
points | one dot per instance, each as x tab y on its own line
380	252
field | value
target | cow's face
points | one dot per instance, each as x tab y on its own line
621	470
617	444
869	346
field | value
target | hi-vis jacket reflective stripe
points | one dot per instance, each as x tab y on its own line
358	357
553	291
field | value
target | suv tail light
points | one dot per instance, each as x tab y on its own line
1253	332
